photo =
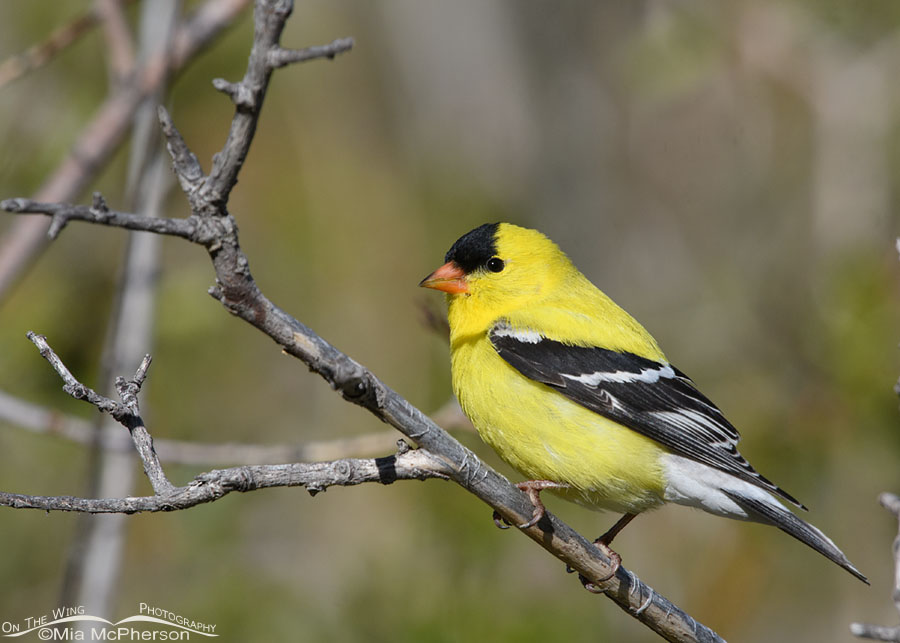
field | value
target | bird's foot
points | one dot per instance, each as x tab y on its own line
500	521
532	489
592	586
614	558
596	586
602	543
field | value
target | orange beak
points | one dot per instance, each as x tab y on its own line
449	278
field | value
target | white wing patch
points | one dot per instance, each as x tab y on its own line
647	375
527	336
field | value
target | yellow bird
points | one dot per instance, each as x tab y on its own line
573	393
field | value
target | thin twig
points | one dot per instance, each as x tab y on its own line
875	632
414	464
128	390
71	385
102	135
40	54
248	94
890	502
188	171
126	412
118	37
16	66
98	213
278	57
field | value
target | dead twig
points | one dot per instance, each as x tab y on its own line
413	464
102	135
61	38
119	40
126	412
890	502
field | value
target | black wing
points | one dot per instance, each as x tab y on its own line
650	397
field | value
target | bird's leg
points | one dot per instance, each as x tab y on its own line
532	489
606	539
603	543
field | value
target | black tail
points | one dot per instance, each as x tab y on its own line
790	524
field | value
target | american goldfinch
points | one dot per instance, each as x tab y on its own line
573	393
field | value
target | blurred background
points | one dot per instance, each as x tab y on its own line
726	171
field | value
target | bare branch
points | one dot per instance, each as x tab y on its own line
107	13
269	19
875	632
71	385
40	54
433	318
890	502
280	57
98	213
16	66
187	167
126	412
239	94
118	37
103	134
415	464
128	390
248	94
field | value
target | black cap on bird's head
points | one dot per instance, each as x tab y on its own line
474	250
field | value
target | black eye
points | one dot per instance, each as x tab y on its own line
495	264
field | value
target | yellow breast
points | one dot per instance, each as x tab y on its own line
545	436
